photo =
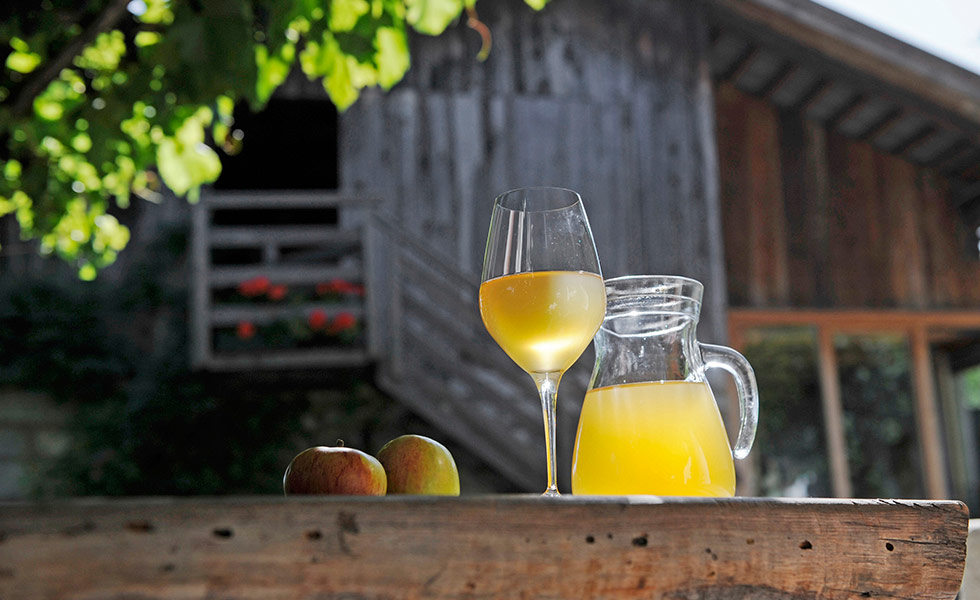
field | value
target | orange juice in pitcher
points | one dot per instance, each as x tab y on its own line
649	423
640	437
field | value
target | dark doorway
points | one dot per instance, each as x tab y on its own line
290	145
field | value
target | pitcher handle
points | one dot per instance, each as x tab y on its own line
748	392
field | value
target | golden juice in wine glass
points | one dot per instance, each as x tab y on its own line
543	319
662	438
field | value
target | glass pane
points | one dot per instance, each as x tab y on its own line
879	415
790	447
968	396
959	399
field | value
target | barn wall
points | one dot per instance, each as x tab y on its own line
610	99
815	219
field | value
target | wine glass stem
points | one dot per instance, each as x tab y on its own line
548	389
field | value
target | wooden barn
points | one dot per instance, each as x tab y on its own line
821	179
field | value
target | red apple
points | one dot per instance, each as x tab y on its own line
415	464
334	470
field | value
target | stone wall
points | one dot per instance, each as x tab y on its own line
32	432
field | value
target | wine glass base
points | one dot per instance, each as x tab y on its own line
550	493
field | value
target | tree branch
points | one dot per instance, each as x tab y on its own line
106	20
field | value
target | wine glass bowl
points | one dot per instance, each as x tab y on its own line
542	297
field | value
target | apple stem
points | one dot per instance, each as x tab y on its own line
340	443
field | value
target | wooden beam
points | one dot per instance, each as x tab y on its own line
927	415
739	65
483	547
200	292
230	276
816	95
833	413
228	315
856	320
965	192
283	199
888	119
911	142
284	359
779	78
961	162
850	108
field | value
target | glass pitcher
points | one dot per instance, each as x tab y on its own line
649	423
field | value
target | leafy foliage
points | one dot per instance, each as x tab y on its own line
120	98
790	442
116	351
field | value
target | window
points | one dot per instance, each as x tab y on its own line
865	403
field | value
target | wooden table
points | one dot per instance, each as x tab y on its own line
344	548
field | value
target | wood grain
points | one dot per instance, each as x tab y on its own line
849	226
482	547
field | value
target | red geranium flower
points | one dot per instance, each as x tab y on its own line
254	287
317	319
343	322
339	286
245	330
277	292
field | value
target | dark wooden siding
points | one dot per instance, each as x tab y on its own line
610	99
815	219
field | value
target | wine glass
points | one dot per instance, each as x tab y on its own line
542	297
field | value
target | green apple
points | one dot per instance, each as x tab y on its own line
415	464
334	470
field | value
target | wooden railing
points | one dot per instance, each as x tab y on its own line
306	243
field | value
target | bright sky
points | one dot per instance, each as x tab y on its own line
947	28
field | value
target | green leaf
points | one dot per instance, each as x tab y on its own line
104	54
23	62
81	142
344	14
184	161
431	17
19	45
339	85
147	38
393	58
157	12
272	71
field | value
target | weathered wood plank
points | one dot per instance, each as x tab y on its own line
482	547
863	228
939	228
818	196
283	273
259	314
732	174
324	235
200	296
282	199
768	268
900	212
803	278
282	359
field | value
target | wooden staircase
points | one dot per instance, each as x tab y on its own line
422	330
434	355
